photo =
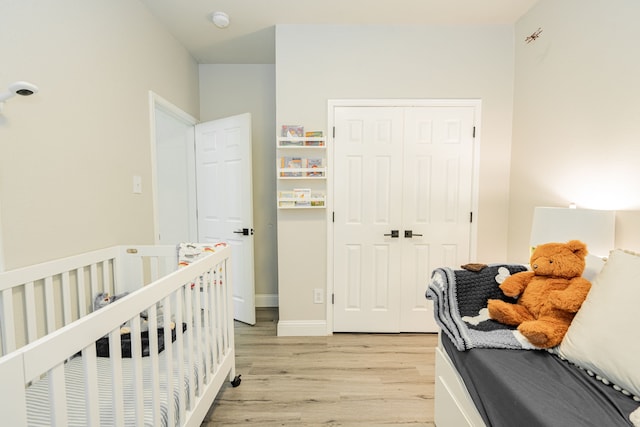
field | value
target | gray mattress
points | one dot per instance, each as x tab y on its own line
527	388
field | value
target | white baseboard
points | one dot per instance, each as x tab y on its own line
266	300
302	328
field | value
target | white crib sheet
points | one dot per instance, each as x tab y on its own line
39	410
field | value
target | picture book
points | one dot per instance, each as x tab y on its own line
314	163
292	130
290	163
302	196
313	134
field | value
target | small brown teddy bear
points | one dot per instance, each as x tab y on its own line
549	296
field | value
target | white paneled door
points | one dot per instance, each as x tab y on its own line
402	208
225	207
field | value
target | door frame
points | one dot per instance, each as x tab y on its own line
1	242
332	104
156	101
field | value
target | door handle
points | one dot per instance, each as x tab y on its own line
409	234
394	234
245	231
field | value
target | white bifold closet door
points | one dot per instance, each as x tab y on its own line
402	204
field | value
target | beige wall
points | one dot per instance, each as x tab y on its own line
227	90
576	114
318	63
69	153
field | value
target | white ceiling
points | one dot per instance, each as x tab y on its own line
250	38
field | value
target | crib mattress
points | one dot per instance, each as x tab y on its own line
39	410
536	389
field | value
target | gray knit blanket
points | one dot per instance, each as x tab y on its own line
460	307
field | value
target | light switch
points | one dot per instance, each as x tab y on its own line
137	184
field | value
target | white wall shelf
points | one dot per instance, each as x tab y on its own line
318	173
300	207
301	158
287	142
290	204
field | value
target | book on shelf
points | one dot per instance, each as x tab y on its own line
286	199
286	195
314	163
302	196
317	199
291	143
313	134
295	131
290	163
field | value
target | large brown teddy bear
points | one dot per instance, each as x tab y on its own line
549	295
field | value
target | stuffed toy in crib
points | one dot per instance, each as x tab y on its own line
549	296
103	299
102	345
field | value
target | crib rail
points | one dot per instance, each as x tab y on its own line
192	369
39	299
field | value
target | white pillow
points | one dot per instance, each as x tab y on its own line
603	336
593	265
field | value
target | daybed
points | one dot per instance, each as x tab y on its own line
487	374
51	369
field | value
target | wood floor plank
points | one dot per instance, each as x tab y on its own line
340	380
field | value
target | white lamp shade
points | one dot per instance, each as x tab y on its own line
596	228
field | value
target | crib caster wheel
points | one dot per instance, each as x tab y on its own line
236	381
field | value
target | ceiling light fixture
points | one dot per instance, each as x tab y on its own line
220	19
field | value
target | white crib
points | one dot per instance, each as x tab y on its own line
49	369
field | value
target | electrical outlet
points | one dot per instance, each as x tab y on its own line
318	297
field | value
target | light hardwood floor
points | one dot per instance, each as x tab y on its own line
339	380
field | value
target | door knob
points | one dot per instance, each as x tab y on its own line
245	231
409	234
394	234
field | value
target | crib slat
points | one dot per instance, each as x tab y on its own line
6	322
82	295
197	326
215	330
58	396
66	298
30	312
219	312
168	348
205	304
155	271
49	304
179	301
106	277
117	396
229	351
211	326
227	308
136	362
93	280
152	325
189	343
220	300
91	385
